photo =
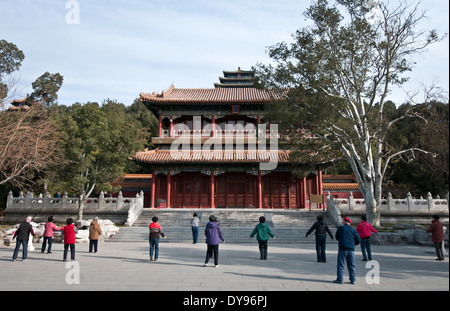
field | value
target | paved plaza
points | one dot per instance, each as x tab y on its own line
290	267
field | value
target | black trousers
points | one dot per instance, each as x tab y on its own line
439	253
93	244
321	242
72	251
44	244
213	250
263	249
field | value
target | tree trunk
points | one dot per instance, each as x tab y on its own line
83	199
81	206
373	211
372	208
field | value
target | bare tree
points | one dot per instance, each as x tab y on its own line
28	144
340	76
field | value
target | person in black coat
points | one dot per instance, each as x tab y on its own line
321	229
23	234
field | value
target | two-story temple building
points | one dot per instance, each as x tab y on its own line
215	150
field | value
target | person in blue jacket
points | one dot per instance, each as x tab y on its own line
348	238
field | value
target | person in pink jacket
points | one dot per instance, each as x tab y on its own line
365	230
48	235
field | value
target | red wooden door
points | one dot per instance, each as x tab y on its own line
192	191
280	192
236	194
235	190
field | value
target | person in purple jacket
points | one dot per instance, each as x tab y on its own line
213	239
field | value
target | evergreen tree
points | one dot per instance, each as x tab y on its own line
98	143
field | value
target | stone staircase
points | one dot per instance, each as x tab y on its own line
289	226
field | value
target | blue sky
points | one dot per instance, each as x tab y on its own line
121	48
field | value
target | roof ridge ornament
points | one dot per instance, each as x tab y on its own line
168	92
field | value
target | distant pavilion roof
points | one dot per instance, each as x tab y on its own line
209	96
237	79
133	181
23	104
340	186
340	182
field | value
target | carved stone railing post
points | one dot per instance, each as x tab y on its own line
119	202
409	201
64	200
101	200
351	202
390	202
9	200
430	201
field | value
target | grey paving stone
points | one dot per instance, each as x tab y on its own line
125	266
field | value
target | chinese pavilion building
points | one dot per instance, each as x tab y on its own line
215	150
23	105
239	78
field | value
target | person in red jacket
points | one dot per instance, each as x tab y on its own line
69	232
365	230
437	236
155	232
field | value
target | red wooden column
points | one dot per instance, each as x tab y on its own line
160	126
289	192
319	179
212	199
271	191
304	195
316	187
213	124
153	195
169	204
171	127
260	203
